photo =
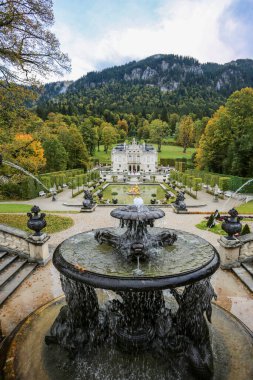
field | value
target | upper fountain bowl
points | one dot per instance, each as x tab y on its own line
134	212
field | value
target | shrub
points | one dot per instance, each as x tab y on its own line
167	162
197	182
224	183
214	180
245	230
46	181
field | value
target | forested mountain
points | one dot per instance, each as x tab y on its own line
160	84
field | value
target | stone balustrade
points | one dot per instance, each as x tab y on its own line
234	252
34	248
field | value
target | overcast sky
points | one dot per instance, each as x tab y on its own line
101	33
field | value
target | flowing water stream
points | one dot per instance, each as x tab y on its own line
15	166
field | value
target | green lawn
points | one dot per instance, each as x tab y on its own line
245	208
172	151
216	229
55	223
168	151
102	156
12	208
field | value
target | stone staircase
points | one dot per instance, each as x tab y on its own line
245	274
13	271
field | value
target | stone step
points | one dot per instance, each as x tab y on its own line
11	285
244	276
2	254
11	270
249	267
7	260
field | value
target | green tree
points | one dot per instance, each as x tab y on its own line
158	130
55	154
72	141
199	127
28	47
109	136
90	136
173	120
197	185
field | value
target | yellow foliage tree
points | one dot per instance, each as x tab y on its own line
27	152
185	132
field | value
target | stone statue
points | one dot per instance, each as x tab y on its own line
88	201
179	203
211	220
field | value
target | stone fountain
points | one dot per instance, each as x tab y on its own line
138	319
138	305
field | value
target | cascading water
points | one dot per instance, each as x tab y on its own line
15	166
225	205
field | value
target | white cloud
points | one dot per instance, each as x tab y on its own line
184	27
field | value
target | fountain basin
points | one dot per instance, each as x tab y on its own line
82	259
29	358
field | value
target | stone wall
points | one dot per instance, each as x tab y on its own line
24	244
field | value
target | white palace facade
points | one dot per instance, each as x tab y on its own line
134	158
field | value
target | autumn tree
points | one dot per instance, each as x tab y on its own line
122	128
226	144
28	46
214	142
14	114
26	151
185	132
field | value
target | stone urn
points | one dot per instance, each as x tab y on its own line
232	225
36	221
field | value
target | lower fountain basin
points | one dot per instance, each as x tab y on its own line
189	259
29	358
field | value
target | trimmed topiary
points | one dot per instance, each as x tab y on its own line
245	230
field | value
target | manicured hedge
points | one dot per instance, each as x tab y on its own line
26	189
235	182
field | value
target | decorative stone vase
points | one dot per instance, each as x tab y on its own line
232	225
36	220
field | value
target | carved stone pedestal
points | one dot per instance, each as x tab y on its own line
229	251
38	249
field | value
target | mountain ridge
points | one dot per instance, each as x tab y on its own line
169	77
